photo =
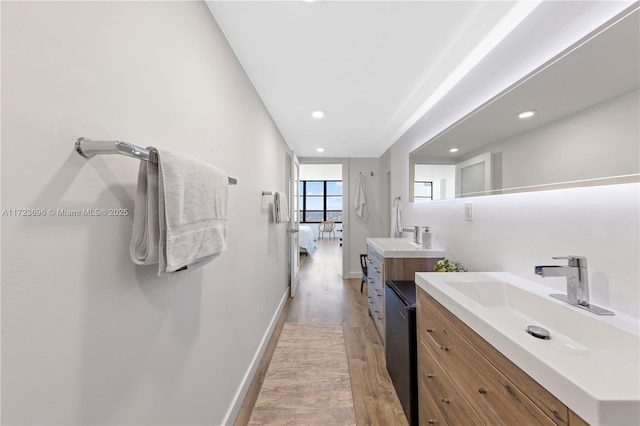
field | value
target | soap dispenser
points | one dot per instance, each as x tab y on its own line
426	238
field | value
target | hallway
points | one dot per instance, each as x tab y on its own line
324	297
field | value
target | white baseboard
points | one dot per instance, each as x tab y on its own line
238	398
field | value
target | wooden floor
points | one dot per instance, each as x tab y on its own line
324	297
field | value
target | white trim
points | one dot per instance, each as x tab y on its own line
238	398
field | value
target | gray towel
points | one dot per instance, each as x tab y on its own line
280	207
180	213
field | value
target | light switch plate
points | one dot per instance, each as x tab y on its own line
468	212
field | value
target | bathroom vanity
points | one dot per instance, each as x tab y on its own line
390	259
477	364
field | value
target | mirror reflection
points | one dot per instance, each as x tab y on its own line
580	127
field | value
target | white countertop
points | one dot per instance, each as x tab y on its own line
591	363
401	247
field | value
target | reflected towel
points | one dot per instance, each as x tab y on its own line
280	208
360	202
396	219
180	215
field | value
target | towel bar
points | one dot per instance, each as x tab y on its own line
89	148
267	193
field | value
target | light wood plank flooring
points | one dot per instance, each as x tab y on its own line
324	297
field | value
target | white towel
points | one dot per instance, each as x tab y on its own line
360	202
280	208
396	219
180	216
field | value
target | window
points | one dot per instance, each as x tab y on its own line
423	190
320	200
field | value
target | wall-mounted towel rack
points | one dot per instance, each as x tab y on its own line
89	148
267	193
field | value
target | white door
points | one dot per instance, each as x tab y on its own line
474	176
294	224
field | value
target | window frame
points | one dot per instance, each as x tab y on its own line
422	197
302	204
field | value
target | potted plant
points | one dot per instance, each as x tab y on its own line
446	265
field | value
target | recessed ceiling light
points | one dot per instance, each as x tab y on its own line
317	114
527	114
320	149
453	150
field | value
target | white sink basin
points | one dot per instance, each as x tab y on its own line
591	363
401	247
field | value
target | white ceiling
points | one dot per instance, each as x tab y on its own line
374	67
377	67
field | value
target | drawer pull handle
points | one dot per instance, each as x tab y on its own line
430	376
432	421
483	392
445	400
443	347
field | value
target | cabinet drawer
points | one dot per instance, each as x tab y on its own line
493	396
375	280
376	309
376	264
444	396
371	296
375	303
375	276
428	411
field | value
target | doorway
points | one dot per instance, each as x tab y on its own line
322	221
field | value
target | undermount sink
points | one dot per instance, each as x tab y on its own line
590	362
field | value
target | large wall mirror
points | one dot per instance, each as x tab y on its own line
584	129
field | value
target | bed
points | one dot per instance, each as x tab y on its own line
307	240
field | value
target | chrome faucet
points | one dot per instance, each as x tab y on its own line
416	233
577	282
577	278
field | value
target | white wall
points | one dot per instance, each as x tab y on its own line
87	337
515	232
320	171
374	224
